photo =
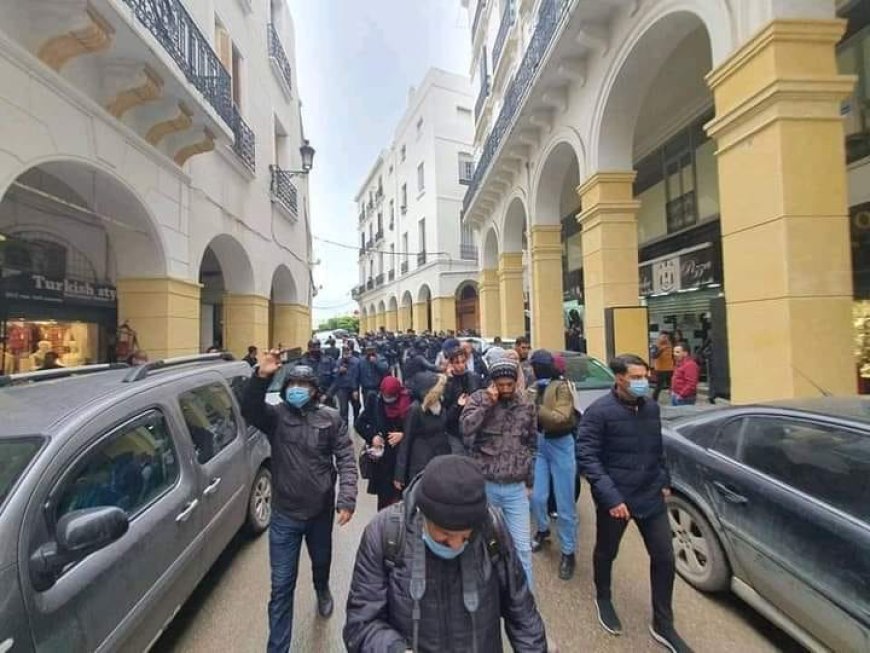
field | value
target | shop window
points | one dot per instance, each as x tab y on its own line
130	469
208	413
853	58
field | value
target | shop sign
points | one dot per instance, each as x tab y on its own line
39	288
682	271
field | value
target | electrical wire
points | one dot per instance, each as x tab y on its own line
382	251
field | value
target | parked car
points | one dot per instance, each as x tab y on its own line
119	488
592	379
773	502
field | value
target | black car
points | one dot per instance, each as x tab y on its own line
773	502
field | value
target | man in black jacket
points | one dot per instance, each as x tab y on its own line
621	454
310	447
438	572
461	383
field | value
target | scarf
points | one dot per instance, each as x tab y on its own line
398	410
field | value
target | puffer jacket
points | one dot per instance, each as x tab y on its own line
425	432
501	436
372	373
310	448
380	607
555	404
620	451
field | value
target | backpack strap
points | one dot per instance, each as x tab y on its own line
394	536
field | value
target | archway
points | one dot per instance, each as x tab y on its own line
73	238
423	309
285	312
468	307
512	271
406	312
392	317
231	316
381	316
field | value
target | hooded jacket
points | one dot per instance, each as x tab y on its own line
310	449
380	608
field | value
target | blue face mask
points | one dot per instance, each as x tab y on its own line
639	387
296	396
442	550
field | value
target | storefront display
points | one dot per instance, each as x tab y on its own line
25	343
861	321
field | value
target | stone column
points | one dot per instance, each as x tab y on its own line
392	320
288	325
443	314
490	304
510	281
246	322
783	201
548	322
421	317
405	317
164	313
610	274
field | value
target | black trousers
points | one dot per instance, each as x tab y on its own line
345	399
656	534
663	380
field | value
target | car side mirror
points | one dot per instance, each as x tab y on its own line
78	534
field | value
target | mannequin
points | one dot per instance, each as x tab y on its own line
37	358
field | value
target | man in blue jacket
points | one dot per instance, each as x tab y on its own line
372	370
346	385
621	454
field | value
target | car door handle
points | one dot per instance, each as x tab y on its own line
729	495
212	487
185	514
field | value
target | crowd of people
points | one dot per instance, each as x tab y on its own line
471	457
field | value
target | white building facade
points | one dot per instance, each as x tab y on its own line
417	262
154	193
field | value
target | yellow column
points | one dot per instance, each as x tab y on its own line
421	317
391	320
164	313
380	321
783	201
610	275
404	317
246	322
548	329
510	281
490	305
290	326
443	314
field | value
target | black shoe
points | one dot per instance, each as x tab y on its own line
607	616
539	540
325	604
669	638
566	567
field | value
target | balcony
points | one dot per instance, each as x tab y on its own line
379	235
244	143
481	4
481	98
280	63
508	18
466	172
550	17
404	267
283	191
370	284
421	258
362	215
362	251
379	280
392	275
403	209
468	252
370	243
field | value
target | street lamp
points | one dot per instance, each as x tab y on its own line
307	153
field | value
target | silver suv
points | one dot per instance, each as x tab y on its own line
119	488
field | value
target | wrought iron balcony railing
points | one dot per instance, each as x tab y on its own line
370	243
391	275
176	31
550	16
421	258
404	267
244	144
283	189
370	284
379	280
277	54
481	4
468	252
362	250
379	235
508	18
481	97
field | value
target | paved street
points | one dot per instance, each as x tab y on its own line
228	611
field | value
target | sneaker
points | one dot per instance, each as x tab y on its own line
539	540
566	566
554	515
325	605
669	638
607	616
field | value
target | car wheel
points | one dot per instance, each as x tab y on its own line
699	556
260	502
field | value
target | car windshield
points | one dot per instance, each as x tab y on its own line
588	373
15	456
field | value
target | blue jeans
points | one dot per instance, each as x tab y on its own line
513	501
285	545
683	401
555	458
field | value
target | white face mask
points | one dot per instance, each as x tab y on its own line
435	408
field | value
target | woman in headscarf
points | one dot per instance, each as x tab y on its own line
425	428
382	426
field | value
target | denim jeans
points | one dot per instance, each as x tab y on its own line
683	401
285	545
555	458
513	501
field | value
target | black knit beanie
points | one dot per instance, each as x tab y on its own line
452	493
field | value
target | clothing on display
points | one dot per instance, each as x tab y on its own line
24	344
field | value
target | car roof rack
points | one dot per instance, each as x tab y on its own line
141	371
57	373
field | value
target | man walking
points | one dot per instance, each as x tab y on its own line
461	383
324	369
499	429
556	459
372	370
523	348
310	449
437	572
346	386
621	454
684	384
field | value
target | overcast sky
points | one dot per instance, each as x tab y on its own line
357	60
